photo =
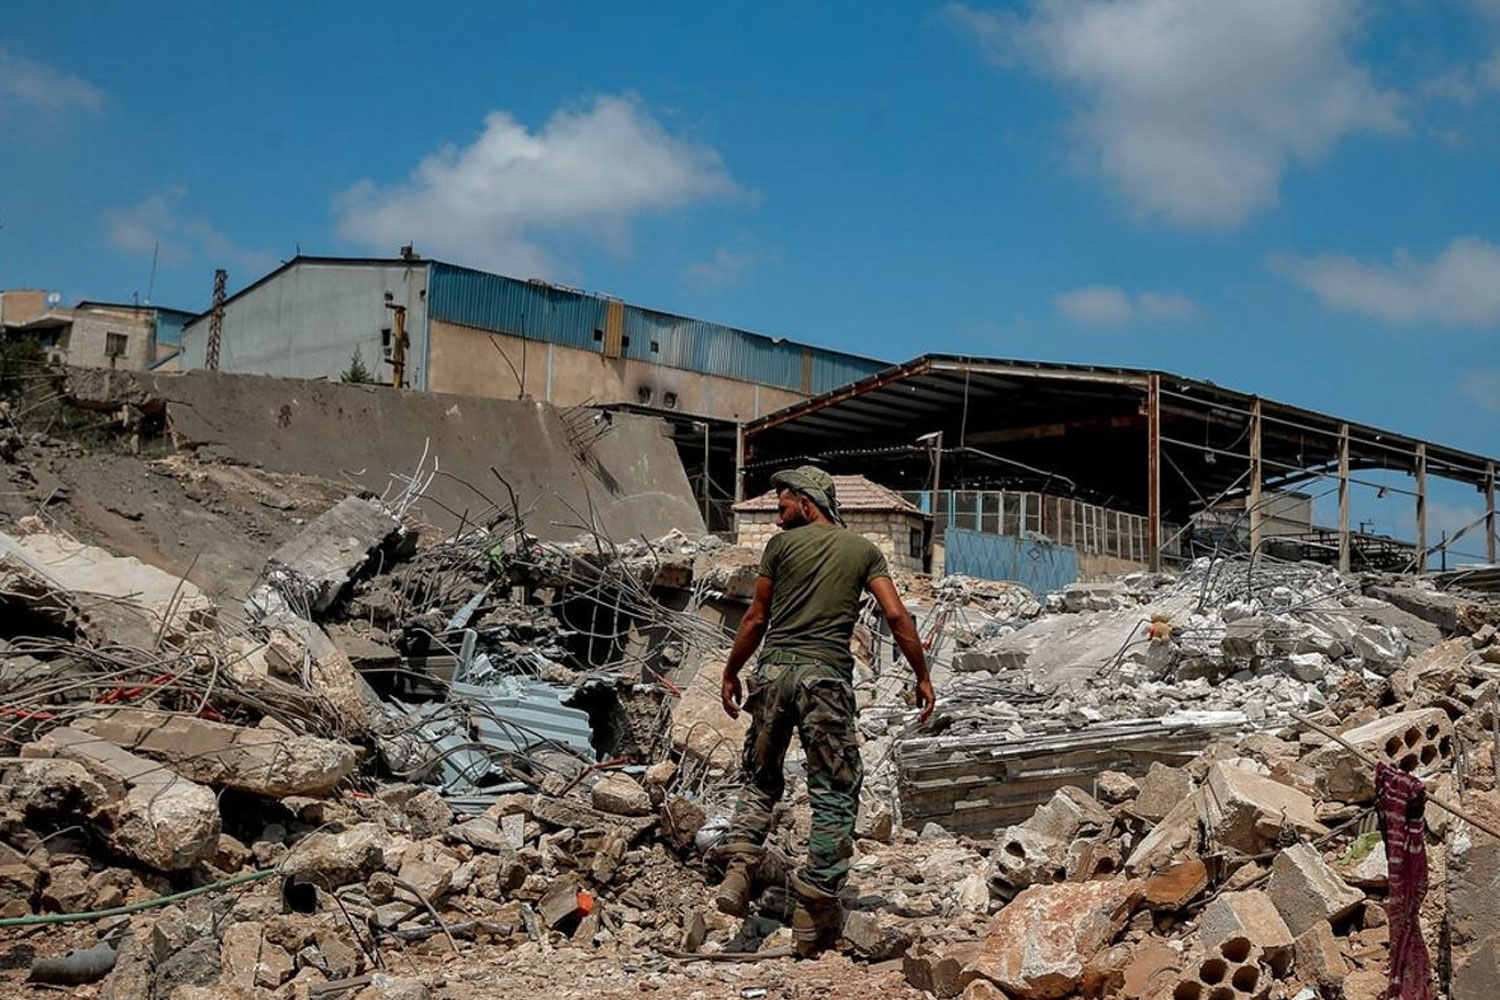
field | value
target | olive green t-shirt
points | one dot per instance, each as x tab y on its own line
818	575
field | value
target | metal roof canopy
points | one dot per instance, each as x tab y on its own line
1092	425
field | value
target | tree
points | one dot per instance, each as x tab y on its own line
357	372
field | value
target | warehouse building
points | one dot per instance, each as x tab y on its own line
476	333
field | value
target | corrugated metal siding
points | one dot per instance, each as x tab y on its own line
505	305
540	312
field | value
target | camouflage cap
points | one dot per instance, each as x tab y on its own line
813	483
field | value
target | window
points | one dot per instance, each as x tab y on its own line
669	400
914	548
115	344
655	347
643	395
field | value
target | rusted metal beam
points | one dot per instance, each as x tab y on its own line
1153	473
1343	498
826	400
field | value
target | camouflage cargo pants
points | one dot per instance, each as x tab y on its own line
816	700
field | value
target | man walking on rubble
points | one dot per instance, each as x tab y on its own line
813	576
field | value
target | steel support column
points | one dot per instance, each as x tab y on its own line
1253	504
1421	474
1489	512
739	461
1153	473
1343	498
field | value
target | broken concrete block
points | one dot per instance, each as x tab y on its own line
1318	958
622	795
1037	947
428	814
330	860
1246	811
1175	887
428	869
1027	857
1071	812
876	935
312	569
260	761
1115	787
875	823
1161	790
1153	967
942	970
1472	900
1172	841
1248	914
1232	971
660	774
152	815
680	822
559	903
1104	975
1418	742
1305	890
124	600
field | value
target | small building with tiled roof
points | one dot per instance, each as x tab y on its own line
896	526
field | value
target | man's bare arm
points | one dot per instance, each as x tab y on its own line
904	628
746	641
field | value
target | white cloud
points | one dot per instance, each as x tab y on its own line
587	171
159	221
1106	305
725	268
1166	305
1483	387
1194	111
1459	287
26	83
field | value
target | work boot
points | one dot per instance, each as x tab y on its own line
818	920
733	894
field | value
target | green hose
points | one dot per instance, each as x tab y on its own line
145	904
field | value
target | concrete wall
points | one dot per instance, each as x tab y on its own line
88	340
630	480
21	305
307	321
890	531
480	363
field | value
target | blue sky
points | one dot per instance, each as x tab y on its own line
1293	197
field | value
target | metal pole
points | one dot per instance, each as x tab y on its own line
1489	512
739	461
1343	498
1153	474
1421	473
1256	521
705	474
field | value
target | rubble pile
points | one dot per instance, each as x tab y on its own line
405	763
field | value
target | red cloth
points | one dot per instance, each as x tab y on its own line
1401	804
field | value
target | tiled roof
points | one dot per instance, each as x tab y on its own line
855	494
